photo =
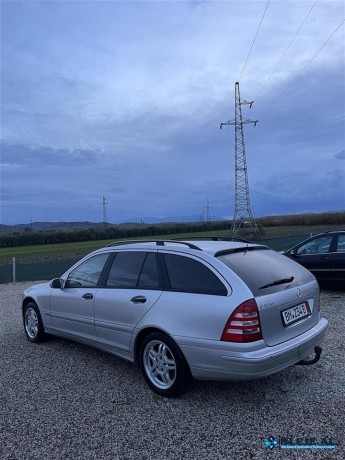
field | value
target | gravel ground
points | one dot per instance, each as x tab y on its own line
62	400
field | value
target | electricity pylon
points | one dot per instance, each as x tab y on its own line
105	219
242	214
206	211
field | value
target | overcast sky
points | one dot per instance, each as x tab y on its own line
124	99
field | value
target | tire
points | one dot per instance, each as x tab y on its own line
163	365
33	325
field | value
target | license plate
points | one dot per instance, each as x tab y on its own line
294	314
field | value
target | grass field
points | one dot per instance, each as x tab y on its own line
51	251
72	249
45	262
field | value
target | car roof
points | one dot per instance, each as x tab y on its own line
331	232
317	235
212	247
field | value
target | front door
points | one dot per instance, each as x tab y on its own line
72	307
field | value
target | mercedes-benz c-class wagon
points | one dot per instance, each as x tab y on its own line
209	310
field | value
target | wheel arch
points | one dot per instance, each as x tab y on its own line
141	337
161	381
26	301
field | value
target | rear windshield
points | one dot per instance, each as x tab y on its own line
260	268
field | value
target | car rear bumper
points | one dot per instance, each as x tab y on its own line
210	360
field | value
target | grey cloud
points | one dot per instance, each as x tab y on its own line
340	155
27	155
300	191
133	112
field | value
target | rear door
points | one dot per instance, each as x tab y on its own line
195	303
131	289
337	258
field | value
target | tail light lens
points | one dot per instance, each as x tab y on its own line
244	324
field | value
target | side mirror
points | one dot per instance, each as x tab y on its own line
56	283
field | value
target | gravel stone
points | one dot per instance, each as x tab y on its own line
62	400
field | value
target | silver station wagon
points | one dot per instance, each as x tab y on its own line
211	310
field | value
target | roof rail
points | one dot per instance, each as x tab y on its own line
214	238
158	243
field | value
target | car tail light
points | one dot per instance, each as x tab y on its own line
244	324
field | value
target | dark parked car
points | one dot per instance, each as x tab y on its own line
323	255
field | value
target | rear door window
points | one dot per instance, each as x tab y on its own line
148	277
188	275
133	269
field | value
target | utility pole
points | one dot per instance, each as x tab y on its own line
105	219
242	213
208	216
205	214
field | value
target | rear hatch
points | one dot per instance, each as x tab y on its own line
286	293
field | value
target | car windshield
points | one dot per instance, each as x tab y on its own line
265	271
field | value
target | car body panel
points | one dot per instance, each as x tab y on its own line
271	307
115	315
71	313
213	361
40	294
188	314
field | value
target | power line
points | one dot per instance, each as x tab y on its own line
309	62
257	32
287	49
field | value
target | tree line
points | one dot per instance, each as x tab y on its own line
325	218
29	237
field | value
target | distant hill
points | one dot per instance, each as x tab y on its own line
46	226
172	219
65	226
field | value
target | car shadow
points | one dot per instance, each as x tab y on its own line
337	286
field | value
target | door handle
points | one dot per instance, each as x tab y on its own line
324	257
88	296
138	299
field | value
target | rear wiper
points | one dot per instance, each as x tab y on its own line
277	282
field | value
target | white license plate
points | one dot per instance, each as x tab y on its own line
294	314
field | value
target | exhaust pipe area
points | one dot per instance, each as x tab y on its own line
308	362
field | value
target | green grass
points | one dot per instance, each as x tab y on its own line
51	250
84	247
79	249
